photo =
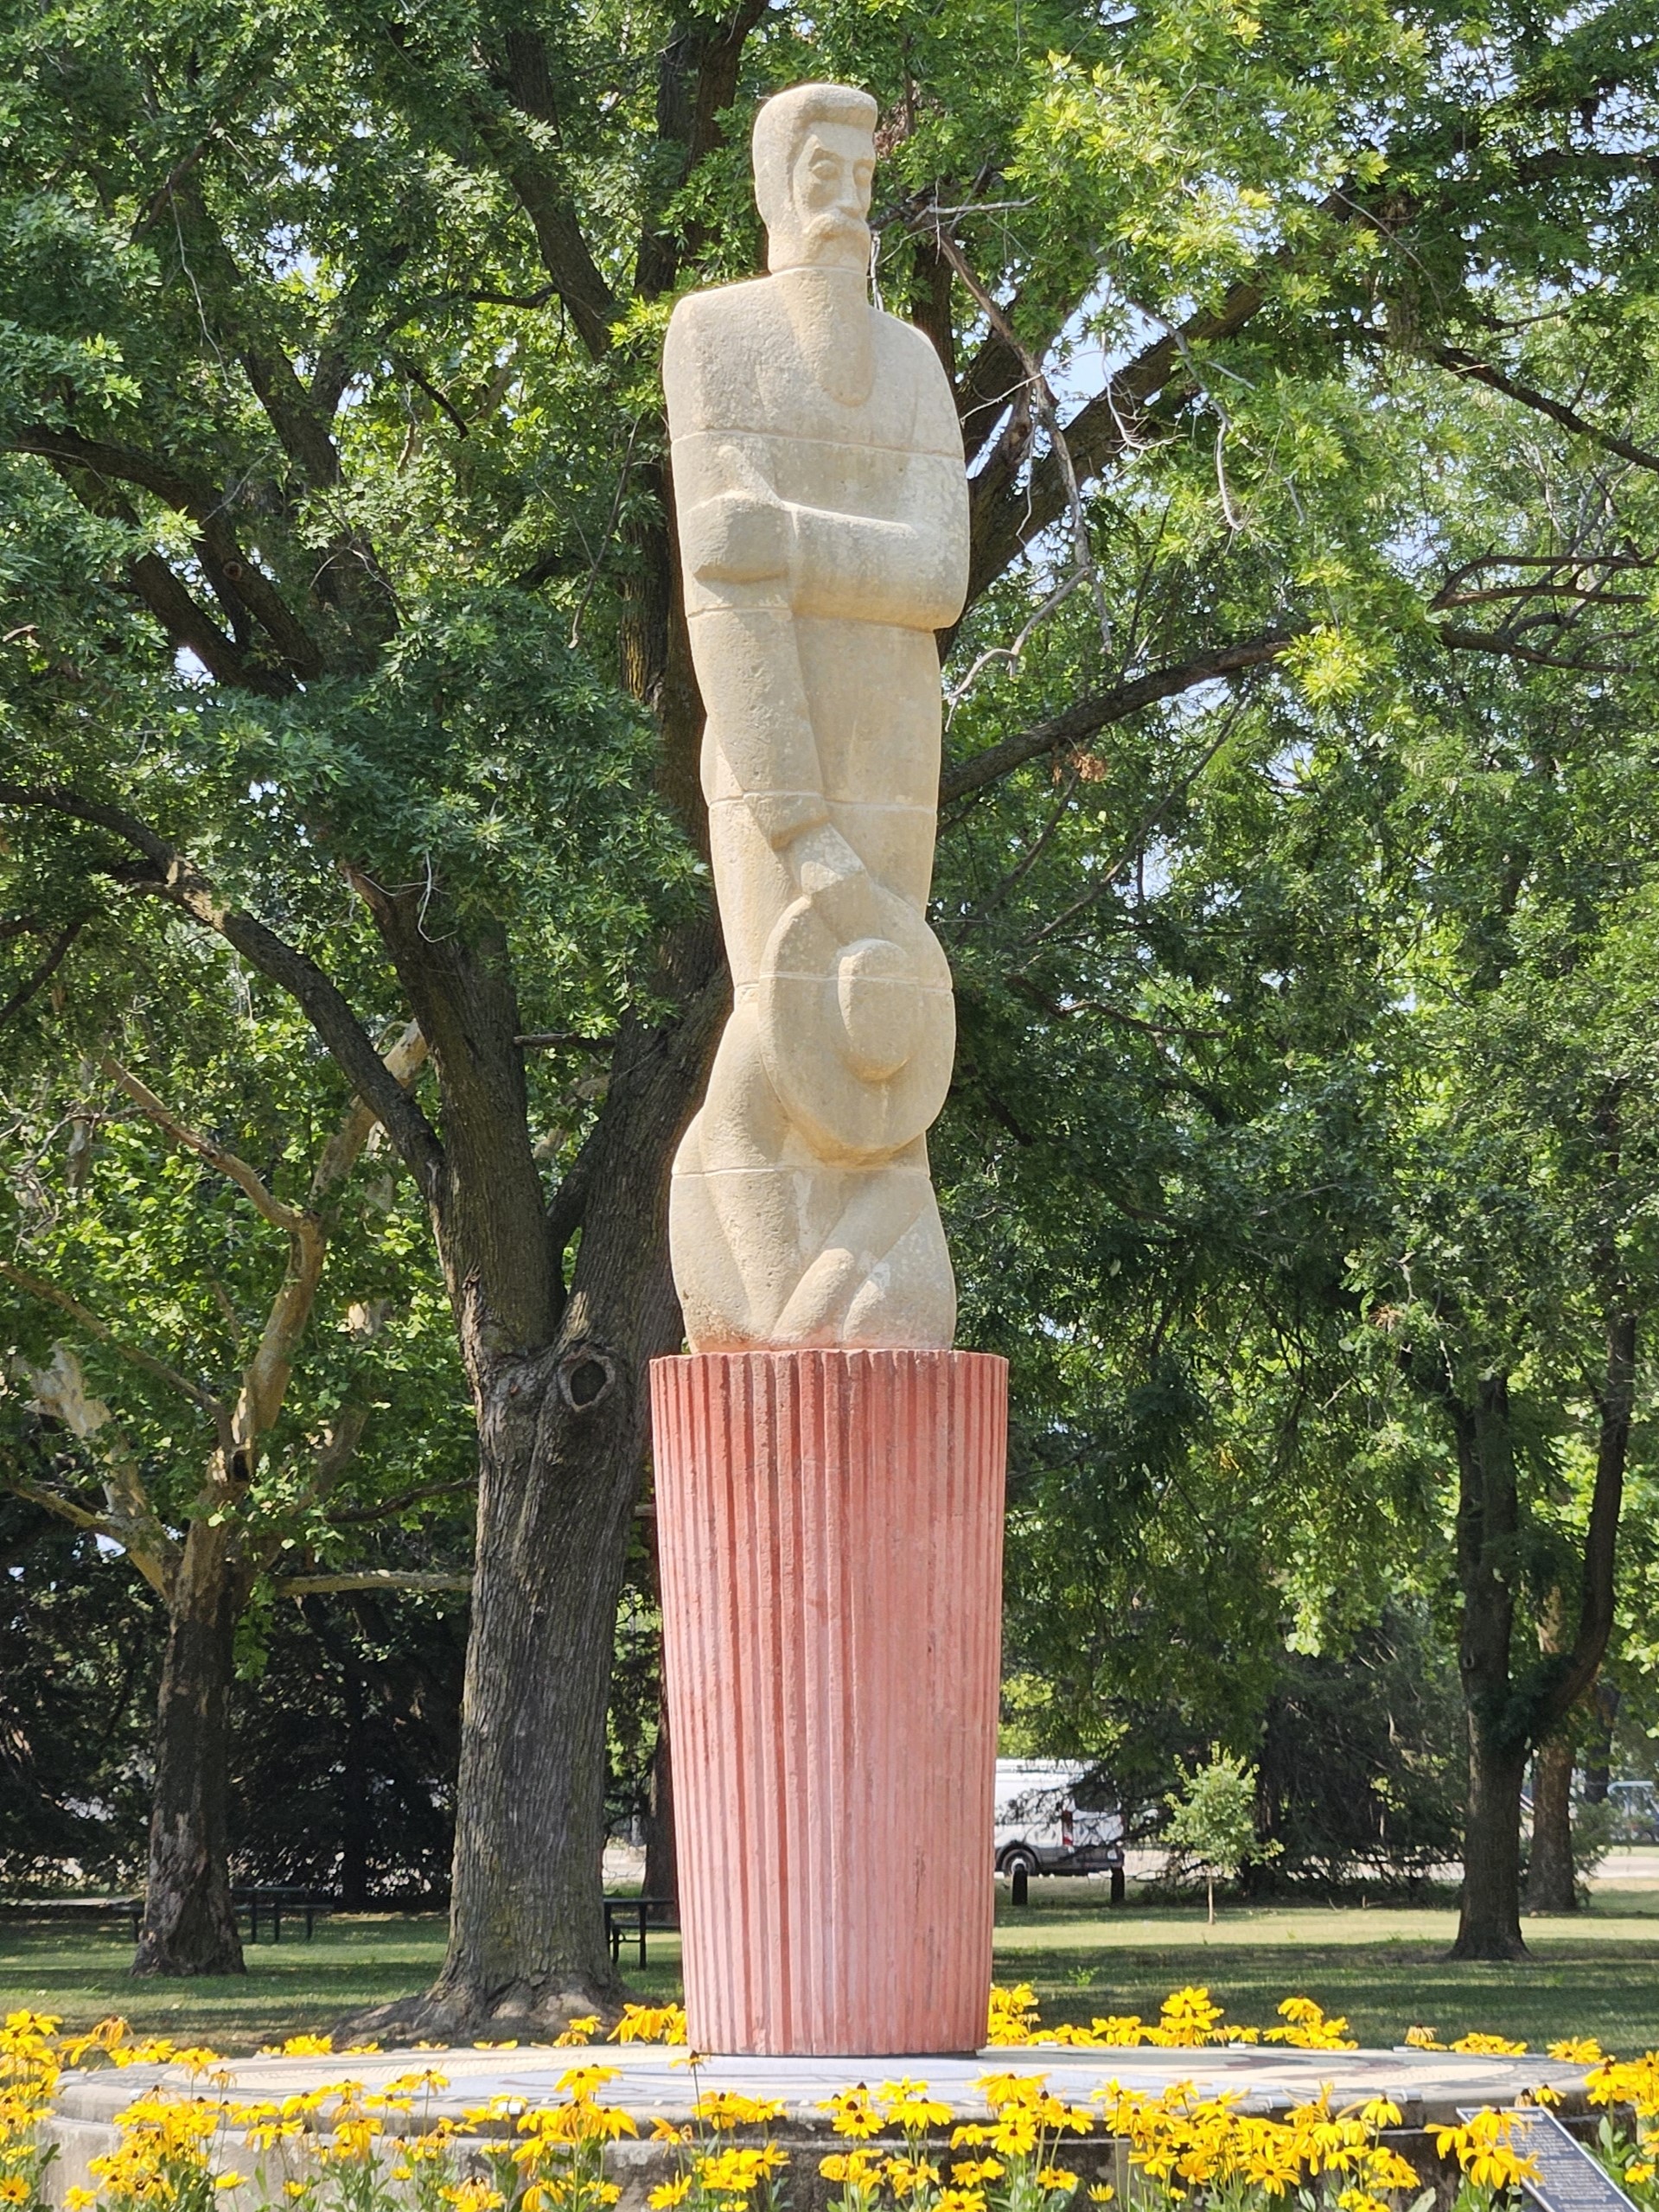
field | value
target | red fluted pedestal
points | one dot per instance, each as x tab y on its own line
830	1534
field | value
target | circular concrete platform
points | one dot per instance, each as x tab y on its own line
655	2081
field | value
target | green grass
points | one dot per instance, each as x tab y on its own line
1384	1967
351	1962
1596	1973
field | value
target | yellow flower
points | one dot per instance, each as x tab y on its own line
740	2168
582	2030
472	2196
14	2189
1307	2029
645	2023
1480	2147
1577	2051
1627	2082
1490	2046
1056	2177
667	2194
78	2199
1101	2192
1386	2169
1188	2016
308	2047
581	2082
960	2199
1013	2015
852	2114
971	2171
1423	2039
1380	2112
858	2169
228	2181
910	2108
906	2178
726	2109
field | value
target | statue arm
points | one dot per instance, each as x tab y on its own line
912	573
743	545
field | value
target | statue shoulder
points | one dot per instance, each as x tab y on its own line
909	356
713	337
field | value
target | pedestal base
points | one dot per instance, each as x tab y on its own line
830	1535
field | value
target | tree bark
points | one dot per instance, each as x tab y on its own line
1550	1885
189	1927
1489	1924
356	1812
661	1858
1599	1761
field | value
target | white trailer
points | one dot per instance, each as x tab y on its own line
1043	1828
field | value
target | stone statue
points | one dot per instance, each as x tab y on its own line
822	508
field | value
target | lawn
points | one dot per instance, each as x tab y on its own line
1384	1969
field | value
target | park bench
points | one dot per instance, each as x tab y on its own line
88	1912
629	1917
273	1900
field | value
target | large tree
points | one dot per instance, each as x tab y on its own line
212	1348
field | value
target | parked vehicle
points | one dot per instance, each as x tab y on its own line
1054	1816
1635	1811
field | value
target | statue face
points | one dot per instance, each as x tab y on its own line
829	198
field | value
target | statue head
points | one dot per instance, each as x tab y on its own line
814	154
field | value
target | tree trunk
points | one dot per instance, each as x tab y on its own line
662	1851
1550	1885
189	1925
1599	1758
661	1860
1490	1923
563	1436
356	1812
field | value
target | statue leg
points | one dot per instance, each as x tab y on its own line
883	1274
733	1215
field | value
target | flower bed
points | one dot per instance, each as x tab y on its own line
339	2146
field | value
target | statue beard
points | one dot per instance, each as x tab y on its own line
821	232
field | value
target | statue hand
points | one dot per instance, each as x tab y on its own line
831	875
736	539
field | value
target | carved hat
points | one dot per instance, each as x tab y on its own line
858	1025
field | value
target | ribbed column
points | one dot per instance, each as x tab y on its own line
830	1534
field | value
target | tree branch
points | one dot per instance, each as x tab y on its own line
176	878
38	1287
43	974
93	473
355	1516
264	1380
697	80
1089	716
66	1508
373	1578
403	1060
1005	517
280	1216
1506	646
1475	371
525	80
